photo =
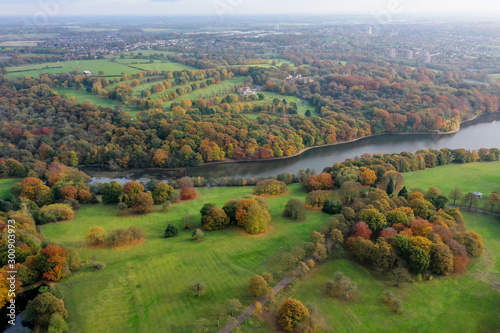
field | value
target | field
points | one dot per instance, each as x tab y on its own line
451	304
146	287
470	177
5	184
110	69
94	99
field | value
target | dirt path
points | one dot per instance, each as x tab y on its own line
475	210
248	311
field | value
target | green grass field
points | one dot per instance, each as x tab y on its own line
470	177
446	304
82	96
146	287
5	184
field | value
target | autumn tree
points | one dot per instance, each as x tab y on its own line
188	193
52	258
295	210
35	190
257	286
131	190
472	241
493	201
419	259
142	203
368	176
290	313
96	235
162	192
441	259
233	305
215	219
269	187
323	181
398	180
69	192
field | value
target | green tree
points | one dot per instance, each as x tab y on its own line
171	231
493	200
403	192
390	187
332	206
375	219
470	200
456	194
295	210
419	259
233	305
341	286
198	288
111	192
257	220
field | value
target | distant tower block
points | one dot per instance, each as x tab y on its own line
427	58
370	30
410	55
277	27
392	53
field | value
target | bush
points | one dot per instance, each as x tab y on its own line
341	286
197	234
55	212
97	265
269	187
188	193
165	207
187	221
122	237
295	210
171	231
96	235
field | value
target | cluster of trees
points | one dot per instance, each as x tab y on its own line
98	236
249	213
47	311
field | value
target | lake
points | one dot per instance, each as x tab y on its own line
483	132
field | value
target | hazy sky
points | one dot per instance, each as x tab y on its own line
239	7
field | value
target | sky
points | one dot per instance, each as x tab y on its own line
54	8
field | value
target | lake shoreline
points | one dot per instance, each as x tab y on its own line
168	173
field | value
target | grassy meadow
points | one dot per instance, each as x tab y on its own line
470	177
147	287
5	184
457	303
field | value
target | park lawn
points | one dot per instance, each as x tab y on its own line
82	96
5	184
481	177
446	304
146	287
156	65
109	68
302	105
222	89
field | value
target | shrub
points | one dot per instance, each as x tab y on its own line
55	212
96	235
295	210
171	231
269	187
122	237
165	207
188	193
197	234
97	265
341	286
